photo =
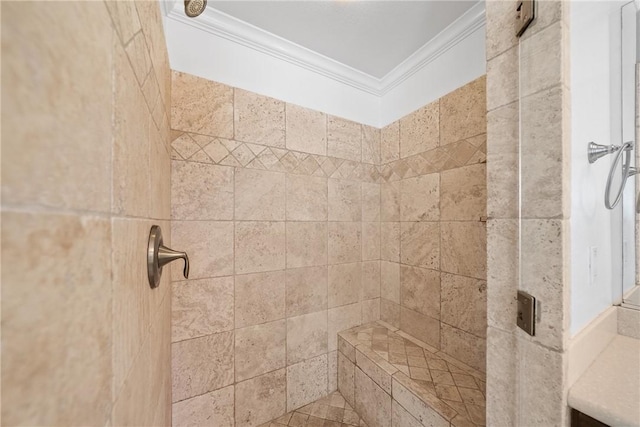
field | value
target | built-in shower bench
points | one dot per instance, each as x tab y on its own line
394	380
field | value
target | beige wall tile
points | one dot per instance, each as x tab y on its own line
390	241
463	193
503	79
259	195
201	307
420	290
420	198
44	302
425	328
502	397
209	245
125	19
370	145
344	200
372	403
306	382
390	142
345	282
332	372
201	191
390	201
159	176
420	131
258	119
79	175
306	244
370	201
215	408
463	250
260	349
501	32
201	106
371	240
390	281
344	242
464	304
463	112
307	198
306	336
259	298
419	245
306	290
541	60
346	379
259	246
344	139
370	279
390	312
306	130
370	310
463	346
502	272
261	399
341	318
201	365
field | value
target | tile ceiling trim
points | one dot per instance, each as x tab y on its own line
226	26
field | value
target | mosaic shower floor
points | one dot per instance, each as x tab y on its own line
330	411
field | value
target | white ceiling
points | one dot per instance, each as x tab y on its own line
371	36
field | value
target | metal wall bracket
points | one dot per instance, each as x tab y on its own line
525	15
159	255
526	313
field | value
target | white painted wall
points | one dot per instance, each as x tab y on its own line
595	116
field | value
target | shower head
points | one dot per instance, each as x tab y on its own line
194	8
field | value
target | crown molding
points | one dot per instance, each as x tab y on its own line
226	26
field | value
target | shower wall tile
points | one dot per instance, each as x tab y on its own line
209	245
424	328
463	248
306	130
390	142
201	192
390	241
259	195
390	201
370	279
370	145
420	290
390	312
371	240
464	304
370	202
420	198
201	106
259	298
463	193
503	79
306	290
215	408
469	348
419	131
345	282
258	119
261	399
372	402
344	200
306	244
341	318
346	378
502	272
501	32
260	349
201	307
344	139
201	365
390	281
306	382
419	244
259	246
306	336
344	242
307	198
463	112
541	60
370	310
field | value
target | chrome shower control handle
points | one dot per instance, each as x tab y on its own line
159	255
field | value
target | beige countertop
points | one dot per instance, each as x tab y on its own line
609	390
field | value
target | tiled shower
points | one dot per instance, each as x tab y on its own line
301	225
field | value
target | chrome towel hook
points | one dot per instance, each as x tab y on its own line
596	151
159	255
